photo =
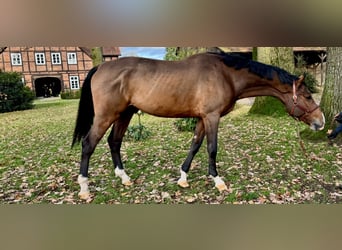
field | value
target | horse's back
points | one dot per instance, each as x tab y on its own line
163	88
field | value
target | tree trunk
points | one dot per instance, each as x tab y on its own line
281	57
331	101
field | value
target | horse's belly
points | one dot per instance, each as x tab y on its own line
163	110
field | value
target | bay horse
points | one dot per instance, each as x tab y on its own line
205	86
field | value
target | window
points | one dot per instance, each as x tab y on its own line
56	58
16	59
72	58
40	58
74	82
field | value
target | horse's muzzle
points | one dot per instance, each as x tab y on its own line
318	125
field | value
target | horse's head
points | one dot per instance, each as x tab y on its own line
301	106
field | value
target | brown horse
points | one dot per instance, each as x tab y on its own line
205	86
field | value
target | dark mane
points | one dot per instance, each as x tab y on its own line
260	69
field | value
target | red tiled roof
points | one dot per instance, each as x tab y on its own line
106	51
111	51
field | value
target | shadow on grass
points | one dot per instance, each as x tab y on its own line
46	103
319	136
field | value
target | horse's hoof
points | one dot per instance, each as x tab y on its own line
127	183
183	184
221	187
84	195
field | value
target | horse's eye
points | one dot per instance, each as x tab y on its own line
309	97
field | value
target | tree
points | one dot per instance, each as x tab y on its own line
179	53
13	94
278	56
331	101
96	55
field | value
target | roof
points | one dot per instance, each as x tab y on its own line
2	49
111	51
106	51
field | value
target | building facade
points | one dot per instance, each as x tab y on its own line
51	70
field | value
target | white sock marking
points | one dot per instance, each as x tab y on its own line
183	177
218	181
83	181
122	174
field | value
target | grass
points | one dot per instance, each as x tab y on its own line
259	158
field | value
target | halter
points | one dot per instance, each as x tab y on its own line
300	107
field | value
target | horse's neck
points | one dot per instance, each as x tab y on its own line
257	86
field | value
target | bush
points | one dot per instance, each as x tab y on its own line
72	94
138	132
13	94
186	124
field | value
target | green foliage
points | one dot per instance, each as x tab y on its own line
13	94
73	94
96	54
171	54
186	124
309	79
138	132
179	53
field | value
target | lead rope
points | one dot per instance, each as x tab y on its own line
300	140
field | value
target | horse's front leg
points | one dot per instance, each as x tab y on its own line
211	129
195	146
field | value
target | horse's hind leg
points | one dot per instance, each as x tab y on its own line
89	143
115	141
195	146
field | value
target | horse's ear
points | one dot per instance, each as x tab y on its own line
299	81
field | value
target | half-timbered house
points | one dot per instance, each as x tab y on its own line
51	70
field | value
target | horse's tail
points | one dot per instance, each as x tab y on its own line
85	113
